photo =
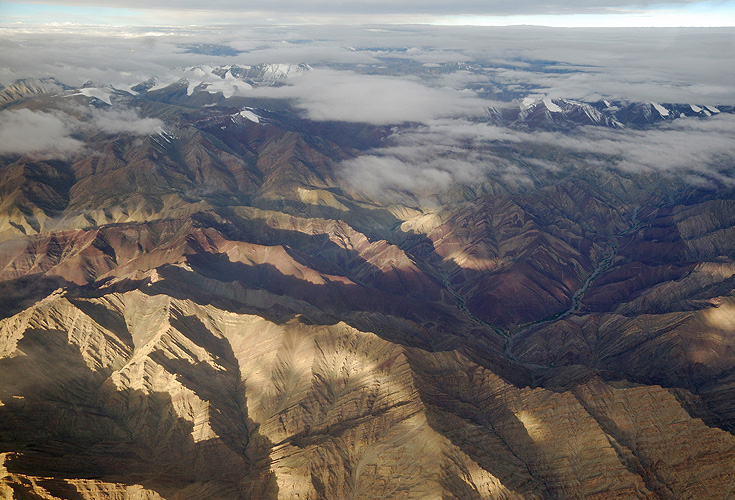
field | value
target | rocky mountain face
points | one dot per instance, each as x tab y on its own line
28	88
552	114
212	311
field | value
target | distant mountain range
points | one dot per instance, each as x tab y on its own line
542	112
533	112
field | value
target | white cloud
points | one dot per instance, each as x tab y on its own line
50	134
432	158
375	174
663	65
27	132
699	145
430	75
353	97
125	121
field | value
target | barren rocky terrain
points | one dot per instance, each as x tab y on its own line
213	311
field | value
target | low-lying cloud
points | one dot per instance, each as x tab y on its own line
125	121
51	134
24	132
698	145
381	100
444	153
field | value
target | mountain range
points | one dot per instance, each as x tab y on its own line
197	300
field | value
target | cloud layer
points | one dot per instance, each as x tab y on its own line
381	100
664	65
448	152
52	134
441	78
25	132
124	121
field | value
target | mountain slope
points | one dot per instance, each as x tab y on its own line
213	311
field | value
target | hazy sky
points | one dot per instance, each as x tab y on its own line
474	12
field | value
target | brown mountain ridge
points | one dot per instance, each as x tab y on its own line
214	311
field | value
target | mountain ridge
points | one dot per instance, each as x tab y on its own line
211	309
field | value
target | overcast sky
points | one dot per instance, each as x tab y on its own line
662	65
476	12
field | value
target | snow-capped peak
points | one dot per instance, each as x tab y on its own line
529	102
551	106
533	101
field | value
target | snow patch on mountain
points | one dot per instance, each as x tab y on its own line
103	94
661	110
551	106
248	114
529	102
